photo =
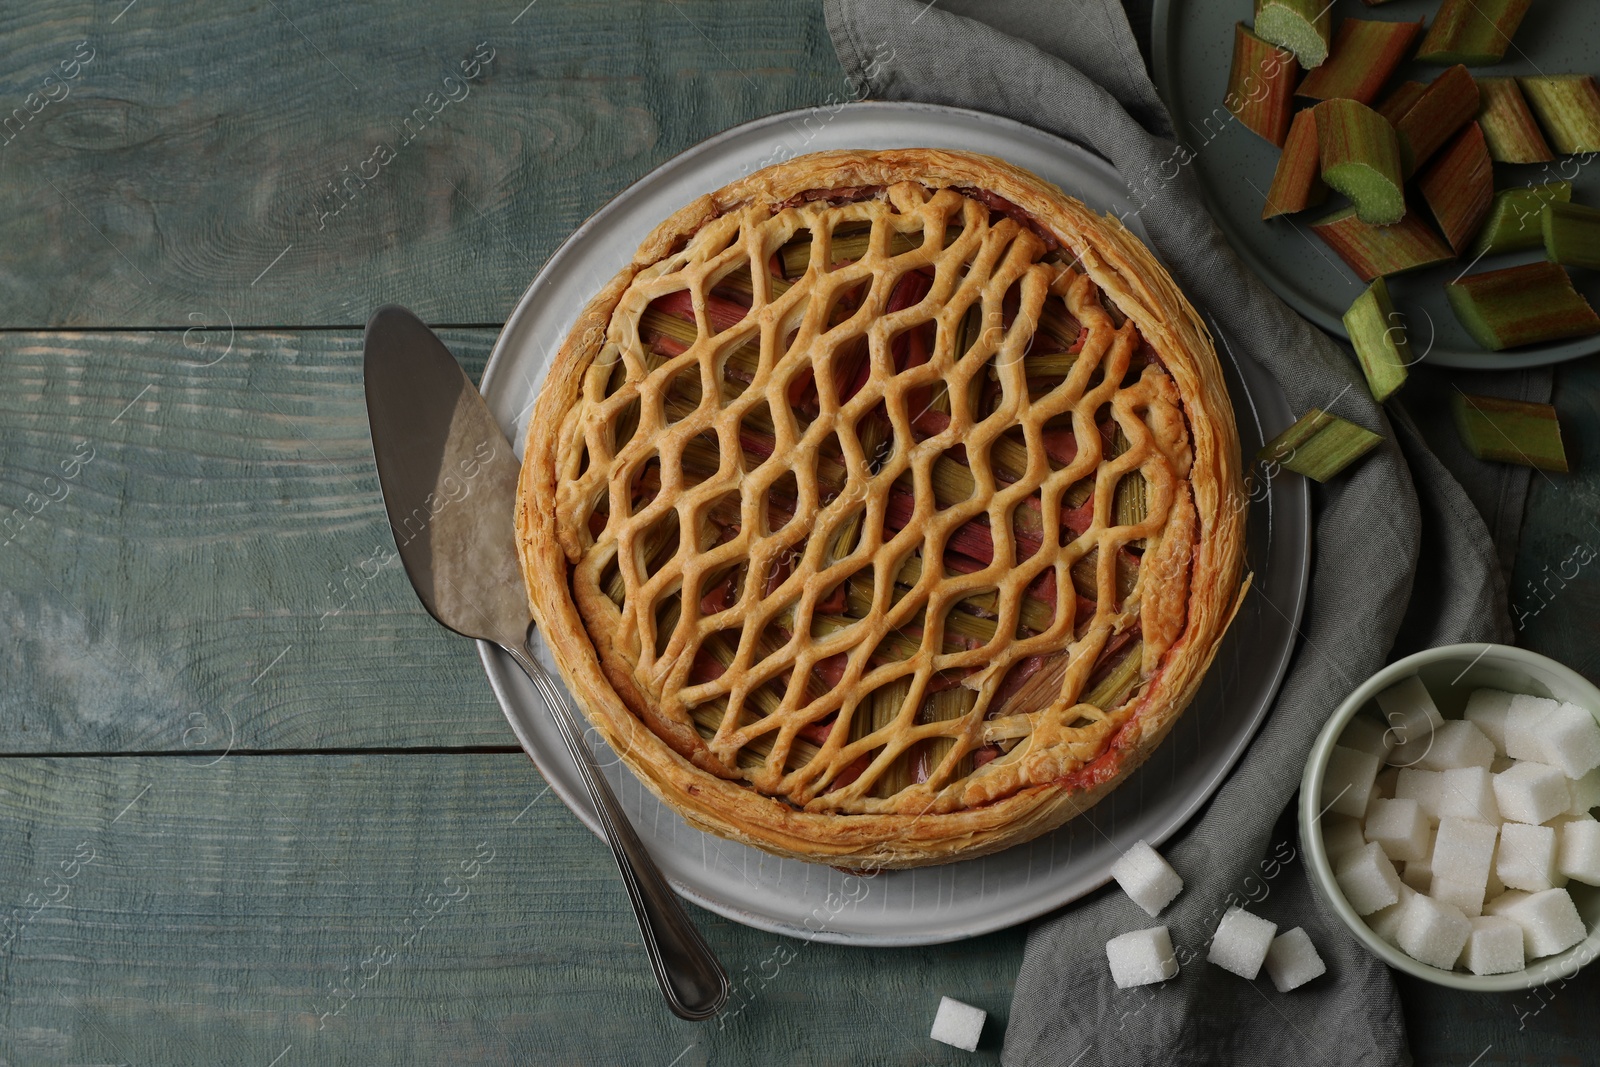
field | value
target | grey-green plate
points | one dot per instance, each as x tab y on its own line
1192	48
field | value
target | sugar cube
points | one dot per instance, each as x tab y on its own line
1585	792
1142	957
1411	714
958	1024
1531	792
1550	922
1494	946
1487	709
1347	782
1463	852
1499	904
1147	878
1385	922
1364	733
1341	834
1457	744
1368	879
1571	740
1400	827
1433	932
1468	896
1468	793
1526	858
1292	961
1525	726
1578	856
1242	941
1387	779
1422	786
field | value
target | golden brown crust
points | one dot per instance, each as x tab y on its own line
1187	591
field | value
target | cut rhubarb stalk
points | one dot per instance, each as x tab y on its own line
1261	85
1449	104
1374	251
1459	187
1514	221
1400	101
1572	235
1510	431
1378	334
1297	183
1474	32
1568	106
1302	26
1318	446
1521	306
1361	158
1363	56
1508	125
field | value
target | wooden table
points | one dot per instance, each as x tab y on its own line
255	807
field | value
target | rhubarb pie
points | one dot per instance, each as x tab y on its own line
886	510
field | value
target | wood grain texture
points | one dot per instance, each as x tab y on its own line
210	564
389	909
200	142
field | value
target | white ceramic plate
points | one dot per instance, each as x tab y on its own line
956	900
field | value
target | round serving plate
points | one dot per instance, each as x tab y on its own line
957	900
1192	48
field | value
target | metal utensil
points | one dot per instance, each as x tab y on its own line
449	482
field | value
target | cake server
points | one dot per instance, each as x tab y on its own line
449	480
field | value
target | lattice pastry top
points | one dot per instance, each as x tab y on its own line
886	510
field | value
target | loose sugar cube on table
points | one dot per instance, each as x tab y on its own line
1411	713
1585	792
1571	740
1550	922
1531	792
1456	744
1142	957
1400	827
1385	922
1292	961
1525	726
1341	834
1433	932
1147	878
1494	946
1578	854
1487	710
1526	858
1347	782
1468	793
1368	879
958	1024
1425	787
1242	940
1364	733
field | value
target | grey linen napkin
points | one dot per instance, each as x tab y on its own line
1073	68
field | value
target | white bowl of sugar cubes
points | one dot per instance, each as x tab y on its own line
1446	816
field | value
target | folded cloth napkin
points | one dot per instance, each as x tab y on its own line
1072	67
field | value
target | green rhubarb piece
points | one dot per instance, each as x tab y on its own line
1444	107
1519	306
1514	221
1510	431
1319	446
1364	54
1459	187
1374	251
1572	235
1474	32
1568	105
1304	27
1297	183
1508	125
1378	334
1361	158
1399	102
1261	85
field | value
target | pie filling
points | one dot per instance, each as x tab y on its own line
869	497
